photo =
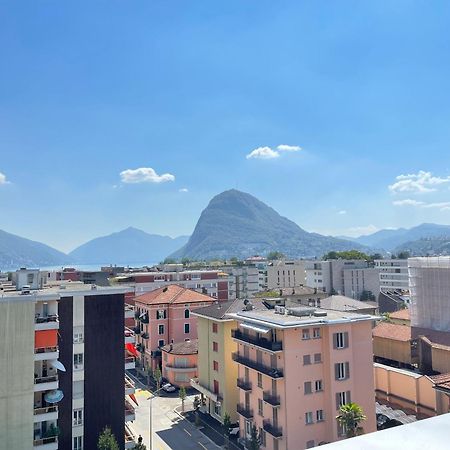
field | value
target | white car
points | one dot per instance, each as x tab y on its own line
168	387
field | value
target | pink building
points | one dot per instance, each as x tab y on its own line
179	362
297	366
164	317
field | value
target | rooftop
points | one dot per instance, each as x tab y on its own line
173	294
220	310
182	348
342	303
402	314
392	331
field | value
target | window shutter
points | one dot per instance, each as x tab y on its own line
348	397
346	339
336	371
335	341
337	400
347	370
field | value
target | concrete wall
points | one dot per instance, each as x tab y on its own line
393	350
16	373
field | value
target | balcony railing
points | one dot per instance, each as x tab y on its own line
144	318
145	336
271	399
49	379
137	330
45	319
129	383
244	411
45	350
49	409
245	385
269	371
273	346
272	429
181	368
45	441
130	360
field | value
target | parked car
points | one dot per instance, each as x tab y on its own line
168	387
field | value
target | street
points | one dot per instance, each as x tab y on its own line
170	430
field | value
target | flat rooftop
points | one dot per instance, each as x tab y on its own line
272	319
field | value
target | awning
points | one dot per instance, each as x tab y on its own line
58	365
54	396
257	328
131	349
133	397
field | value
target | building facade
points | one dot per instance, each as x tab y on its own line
393	274
286	274
179	362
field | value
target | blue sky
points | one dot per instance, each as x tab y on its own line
90	90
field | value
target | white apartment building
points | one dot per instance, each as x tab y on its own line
285	274
356	281
393	274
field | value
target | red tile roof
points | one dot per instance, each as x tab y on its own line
442	380
182	348
392	331
173	294
402	314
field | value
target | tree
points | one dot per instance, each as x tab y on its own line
350	416
272	256
403	255
170	261
107	441
140	446
375	256
226	429
197	404
255	439
185	261
348	254
367	296
182	395
157	377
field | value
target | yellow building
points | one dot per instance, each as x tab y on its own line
217	372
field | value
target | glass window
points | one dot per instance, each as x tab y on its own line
78	443
305	333
161	343
262	437
342	371
214	327
316	333
78	337
308	418
260	407
160	329
340	340
306	360
186	314
215	347
317	358
161	314
318	385
77	417
186	328
78	361
319	415
307	387
215	366
260	379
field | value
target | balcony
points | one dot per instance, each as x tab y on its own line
130	363
145	336
130	439
44	414
50	322
185	368
46	353
49	443
137	330
129	312
271	399
195	383
129	386
266	370
244	411
244	384
45	383
275	431
266	344
130	414
144	318
129	336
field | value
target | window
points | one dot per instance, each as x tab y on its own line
215	347
275	444
262	437
161	314
218	409
78	361
305	333
319	415
78	443
161	343
186	314
215	366
216	386
259	379
186	328
318	385
306	360
78	337
341	430
214	327
260	407
248	428
77	417
342	371
308	418
310	444
316	333
78	389
340	340
342	398
160	329
317	358
181	377
307	387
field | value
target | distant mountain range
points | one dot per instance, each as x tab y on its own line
127	246
391	240
426	247
16	251
238	224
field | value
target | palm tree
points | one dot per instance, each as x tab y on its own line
182	395
350	416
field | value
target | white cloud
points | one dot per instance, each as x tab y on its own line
3	179
144	175
183	190
263	153
443	206
288	148
360	231
418	183
342	212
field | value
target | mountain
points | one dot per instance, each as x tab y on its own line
391	239
16	251
238	224
127	246
435	246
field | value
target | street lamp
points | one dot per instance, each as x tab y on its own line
150	416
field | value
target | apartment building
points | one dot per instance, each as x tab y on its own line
179	362
214	283
298	366
163	316
360	281
246	281
57	345
286	274
393	274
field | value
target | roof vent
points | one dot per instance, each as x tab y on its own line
320	313
165	289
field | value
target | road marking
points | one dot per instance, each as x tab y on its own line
187	432
201	445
